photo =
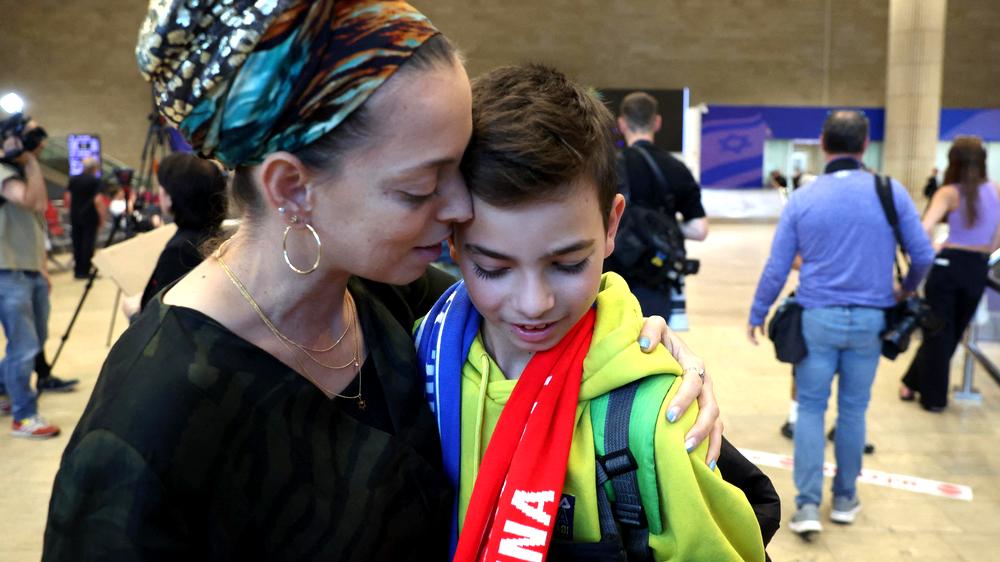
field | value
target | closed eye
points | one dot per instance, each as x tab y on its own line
416	199
483	273
572	268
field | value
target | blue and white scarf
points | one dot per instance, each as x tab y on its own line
443	341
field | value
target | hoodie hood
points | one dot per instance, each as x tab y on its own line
615	358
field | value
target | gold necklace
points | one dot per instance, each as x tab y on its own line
274	329
284	340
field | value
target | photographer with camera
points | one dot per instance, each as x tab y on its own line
649	252
838	226
24	282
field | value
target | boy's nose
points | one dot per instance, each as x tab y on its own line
535	299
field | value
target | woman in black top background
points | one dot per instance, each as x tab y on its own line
194	193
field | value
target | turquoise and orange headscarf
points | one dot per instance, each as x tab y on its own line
244	78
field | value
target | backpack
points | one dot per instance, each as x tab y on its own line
649	245
626	474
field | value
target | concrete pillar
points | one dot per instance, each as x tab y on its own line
913	89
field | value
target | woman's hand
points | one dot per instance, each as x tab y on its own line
695	384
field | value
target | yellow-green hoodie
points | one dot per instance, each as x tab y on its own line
704	518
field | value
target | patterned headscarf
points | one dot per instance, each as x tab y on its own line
244	78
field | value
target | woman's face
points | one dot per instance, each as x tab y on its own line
385	214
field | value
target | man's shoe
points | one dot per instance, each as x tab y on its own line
56	384
5	407
33	428
788	430
844	510
806	520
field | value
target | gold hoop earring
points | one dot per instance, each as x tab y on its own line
284	250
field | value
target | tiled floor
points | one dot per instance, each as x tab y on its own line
957	446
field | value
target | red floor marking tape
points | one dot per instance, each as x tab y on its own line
870	476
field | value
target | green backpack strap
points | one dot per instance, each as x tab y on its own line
623	422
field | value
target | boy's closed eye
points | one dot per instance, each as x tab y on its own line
572	268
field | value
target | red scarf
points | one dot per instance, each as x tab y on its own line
516	495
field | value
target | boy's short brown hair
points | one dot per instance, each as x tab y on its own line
535	135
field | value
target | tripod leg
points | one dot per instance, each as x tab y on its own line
114	314
76	313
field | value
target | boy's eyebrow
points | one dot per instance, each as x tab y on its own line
477	249
574	247
569	249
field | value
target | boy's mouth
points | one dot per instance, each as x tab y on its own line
533	333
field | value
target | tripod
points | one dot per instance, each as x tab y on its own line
156	144
115	227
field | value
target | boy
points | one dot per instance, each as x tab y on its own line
536	338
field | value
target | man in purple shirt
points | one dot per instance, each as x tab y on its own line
838	227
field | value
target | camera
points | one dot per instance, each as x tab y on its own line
649	250
904	319
15	126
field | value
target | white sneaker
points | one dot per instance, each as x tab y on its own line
33	428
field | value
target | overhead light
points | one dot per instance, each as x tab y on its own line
12	103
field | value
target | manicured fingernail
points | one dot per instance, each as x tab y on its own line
644	342
689	444
672	414
711	466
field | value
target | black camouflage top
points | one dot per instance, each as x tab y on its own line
197	445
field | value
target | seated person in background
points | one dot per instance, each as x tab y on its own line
194	193
531	356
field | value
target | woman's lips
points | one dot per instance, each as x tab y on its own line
429	253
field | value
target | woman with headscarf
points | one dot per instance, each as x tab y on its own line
269	404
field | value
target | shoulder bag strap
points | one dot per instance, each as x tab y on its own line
653	166
883	186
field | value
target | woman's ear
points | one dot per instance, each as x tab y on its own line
284	180
614	220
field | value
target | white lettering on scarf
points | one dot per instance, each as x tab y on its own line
532	504
526	538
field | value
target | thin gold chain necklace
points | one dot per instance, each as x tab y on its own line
274	329
284	340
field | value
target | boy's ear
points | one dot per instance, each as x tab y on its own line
657	123
614	219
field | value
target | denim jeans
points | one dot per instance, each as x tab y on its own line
24	314
845	341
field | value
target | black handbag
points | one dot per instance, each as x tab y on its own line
785	330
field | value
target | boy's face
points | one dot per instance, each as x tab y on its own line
533	270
